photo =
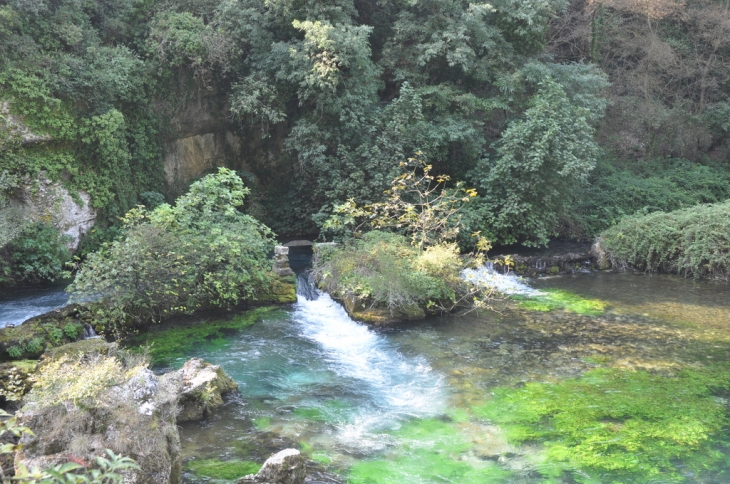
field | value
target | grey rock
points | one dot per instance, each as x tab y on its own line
200	387
285	467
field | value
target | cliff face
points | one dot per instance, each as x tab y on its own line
42	199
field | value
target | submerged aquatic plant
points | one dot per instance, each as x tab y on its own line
229	470
614	425
428	450
176	342
552	299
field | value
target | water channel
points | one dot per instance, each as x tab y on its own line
448	399
412	404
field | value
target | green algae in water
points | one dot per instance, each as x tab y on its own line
428	451
331	411
633	426
558	299
177	342
262	423
229	470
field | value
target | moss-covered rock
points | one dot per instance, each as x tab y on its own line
81	348
35	336
283	290
379	316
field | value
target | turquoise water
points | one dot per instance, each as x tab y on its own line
398	406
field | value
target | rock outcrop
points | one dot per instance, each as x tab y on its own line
200	387
285	467
136	417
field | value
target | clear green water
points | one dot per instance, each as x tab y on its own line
636	392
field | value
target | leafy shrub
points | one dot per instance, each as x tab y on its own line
640	189
152	200
383	269
96	238
15	351
201	252
693	242
73	330
35	345
38	254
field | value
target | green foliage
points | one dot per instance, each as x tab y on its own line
37	254
201	252
620	426
228	470
642	188
540	159
693	241
553	299
152	200
73	330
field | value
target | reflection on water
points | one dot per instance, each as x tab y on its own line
395	402
18	306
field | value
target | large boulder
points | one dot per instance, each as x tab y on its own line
200	388
285	467
111	400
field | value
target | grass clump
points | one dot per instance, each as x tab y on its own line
176	342
620	426
692	242
384	270
229	470
428	451
553	299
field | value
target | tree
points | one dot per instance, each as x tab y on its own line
175	259
539	160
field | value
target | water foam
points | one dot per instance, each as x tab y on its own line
395	386
507	284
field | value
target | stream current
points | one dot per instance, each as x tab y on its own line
397	406
376	406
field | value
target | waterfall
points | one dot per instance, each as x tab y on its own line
89	332
306	287
507	284
392	386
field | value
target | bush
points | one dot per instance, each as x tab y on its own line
693	242
202	252
640	189
385	270
37	254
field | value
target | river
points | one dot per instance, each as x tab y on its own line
18	306
412	404
627	382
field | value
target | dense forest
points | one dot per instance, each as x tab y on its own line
565	116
